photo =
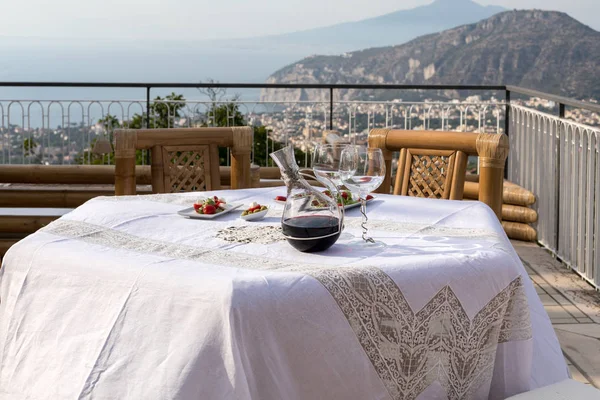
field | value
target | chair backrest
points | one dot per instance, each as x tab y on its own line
438	174
183	159
433	163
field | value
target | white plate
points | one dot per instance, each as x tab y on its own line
191	213
255	216
279	202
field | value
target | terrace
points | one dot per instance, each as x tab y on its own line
57	154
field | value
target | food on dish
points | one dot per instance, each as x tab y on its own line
209	206
254	208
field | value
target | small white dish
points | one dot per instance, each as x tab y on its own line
255	216
279	202
191	213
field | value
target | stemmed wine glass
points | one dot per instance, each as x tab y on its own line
326	167
362	170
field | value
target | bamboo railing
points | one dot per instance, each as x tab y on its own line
517	214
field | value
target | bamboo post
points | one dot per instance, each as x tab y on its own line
24	224
240	157
519	231
377	139
255	176
400	173
125	145
270	173
215	169
53	196
511	194
67	174
458	176
520	214
514	194
492	150
5	244
157	168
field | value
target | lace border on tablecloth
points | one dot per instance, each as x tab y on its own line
439	343
409	350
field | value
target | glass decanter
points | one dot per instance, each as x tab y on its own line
311	221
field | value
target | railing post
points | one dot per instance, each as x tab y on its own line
561	114
330	108
561	110
507	113
148	107
506	125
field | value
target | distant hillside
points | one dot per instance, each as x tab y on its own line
544	50
389	29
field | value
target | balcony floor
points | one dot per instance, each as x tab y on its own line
574	309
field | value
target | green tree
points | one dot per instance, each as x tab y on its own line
223	115
261	156
162	113
29	147
227	114
164	110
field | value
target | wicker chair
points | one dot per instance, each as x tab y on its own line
183	159
433	164
431	173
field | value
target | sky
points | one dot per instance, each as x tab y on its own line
210	19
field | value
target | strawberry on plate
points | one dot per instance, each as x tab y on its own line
209	209
209	206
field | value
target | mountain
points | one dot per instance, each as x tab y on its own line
543	50
390	29
227	60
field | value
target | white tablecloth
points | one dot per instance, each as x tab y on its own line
124	299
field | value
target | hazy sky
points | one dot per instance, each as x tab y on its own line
209	19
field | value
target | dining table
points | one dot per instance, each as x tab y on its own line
123	298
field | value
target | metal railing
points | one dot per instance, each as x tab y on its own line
214	85
559	161
64	130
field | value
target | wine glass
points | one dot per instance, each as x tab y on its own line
362	170
326	165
